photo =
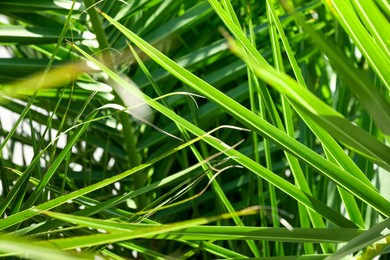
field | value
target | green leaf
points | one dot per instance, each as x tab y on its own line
376	57
121	235
367	238
262	127
12	34
12	246
41	5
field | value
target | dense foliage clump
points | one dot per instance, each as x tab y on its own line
184	129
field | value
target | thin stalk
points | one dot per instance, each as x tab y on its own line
332	150
257	107
215	185
287	118
293	161
129	137
23	181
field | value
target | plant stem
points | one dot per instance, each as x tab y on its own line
128	135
